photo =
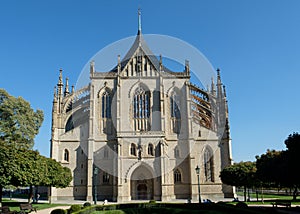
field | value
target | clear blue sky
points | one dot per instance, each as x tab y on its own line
254	42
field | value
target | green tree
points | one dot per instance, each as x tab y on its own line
280	168
19	123
55	174
292	161
240	174
6	170
271	168
19	164
29	168
25	167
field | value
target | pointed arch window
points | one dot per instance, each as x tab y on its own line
150	149
133	149
208	165
141	109
175	112
106	105
141	103
66	155
105	101
177	176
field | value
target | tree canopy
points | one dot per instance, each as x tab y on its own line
25	167
271	168
19	123
240	174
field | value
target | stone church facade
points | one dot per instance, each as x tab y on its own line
138	132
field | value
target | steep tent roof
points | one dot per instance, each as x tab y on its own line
139	46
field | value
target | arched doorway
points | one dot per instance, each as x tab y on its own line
142	191
141	184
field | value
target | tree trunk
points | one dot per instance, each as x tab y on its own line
295	193
256	194
245	193
30	195
1	196
262	194
248	194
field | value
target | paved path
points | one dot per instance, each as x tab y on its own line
47	211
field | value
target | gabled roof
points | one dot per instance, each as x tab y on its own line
139	46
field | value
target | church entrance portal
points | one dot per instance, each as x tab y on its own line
142	192
141	184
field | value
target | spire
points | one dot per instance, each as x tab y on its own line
219	76
139	46
219	84
54	95
60	77
67	87
160	63
139	22
60	84
119	64
54	107
187	67
213	90
92	68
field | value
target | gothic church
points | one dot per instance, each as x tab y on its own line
139	131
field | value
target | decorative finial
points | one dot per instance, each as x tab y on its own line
55	91
224	90
92	67
187	67
139	21
67	87
73	90
160	62
119	64
218	71
60	76
60	84
213	90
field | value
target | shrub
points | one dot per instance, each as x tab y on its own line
152	201
87	210
241	205
59	211
74	208
115	212
87	204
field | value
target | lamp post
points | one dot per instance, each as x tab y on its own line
95	184
198	175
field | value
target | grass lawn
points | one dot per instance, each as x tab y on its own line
219	208
158	210
265	196
15	205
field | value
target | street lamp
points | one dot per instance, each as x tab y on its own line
95	184
198	175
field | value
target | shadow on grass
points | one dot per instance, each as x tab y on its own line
213	208
15	205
